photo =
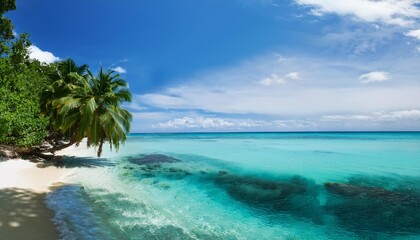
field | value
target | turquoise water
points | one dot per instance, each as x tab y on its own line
246	186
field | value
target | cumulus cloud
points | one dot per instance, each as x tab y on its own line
391	12
215	123
414	34
378	116
376	76
222	98
328	88
197	123
293	76
120	70
274	79
285	102
42	56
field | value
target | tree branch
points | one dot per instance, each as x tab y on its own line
60	147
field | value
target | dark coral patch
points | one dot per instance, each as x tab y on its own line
367	209
152	159
296	196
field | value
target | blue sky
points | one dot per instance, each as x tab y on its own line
244	65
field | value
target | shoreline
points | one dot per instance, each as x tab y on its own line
23	188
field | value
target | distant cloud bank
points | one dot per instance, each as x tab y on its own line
378	116
216	123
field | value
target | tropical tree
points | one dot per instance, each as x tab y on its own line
92	110
21	83
6	26
62	102
64	80
21	123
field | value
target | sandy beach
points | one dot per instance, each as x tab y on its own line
23	187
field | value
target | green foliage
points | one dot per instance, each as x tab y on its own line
7	5
20	53
89	106
6	26
21	124
20	120
62	101
63	80
21	84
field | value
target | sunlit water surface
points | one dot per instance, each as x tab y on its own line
246	186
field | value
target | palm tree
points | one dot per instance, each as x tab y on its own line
65	79
92	109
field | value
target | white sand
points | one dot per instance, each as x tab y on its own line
81	151
23	187
26	175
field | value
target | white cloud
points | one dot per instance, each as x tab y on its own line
274	79
285	102
293	76
376	76
346	117
180	122
215	123
42	56
120	70
414	34
329	88
377	116
392	12
198	123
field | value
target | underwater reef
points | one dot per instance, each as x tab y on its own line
367	206
376	209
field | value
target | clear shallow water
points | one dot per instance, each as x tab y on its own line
247	186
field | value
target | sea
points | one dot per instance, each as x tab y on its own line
305	185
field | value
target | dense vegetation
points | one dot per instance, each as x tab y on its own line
59	103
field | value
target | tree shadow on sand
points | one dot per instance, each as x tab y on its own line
78	162
24	215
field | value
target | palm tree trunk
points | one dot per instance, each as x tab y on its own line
101	143
41	155
60	147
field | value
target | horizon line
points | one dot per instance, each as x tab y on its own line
317	131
